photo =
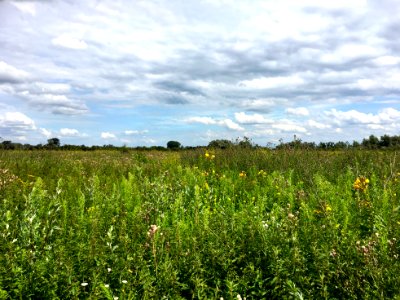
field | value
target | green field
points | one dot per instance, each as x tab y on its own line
254	224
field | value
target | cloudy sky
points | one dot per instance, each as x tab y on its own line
143	72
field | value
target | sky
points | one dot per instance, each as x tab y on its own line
144	72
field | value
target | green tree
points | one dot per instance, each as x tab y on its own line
221	144
173	145
53	143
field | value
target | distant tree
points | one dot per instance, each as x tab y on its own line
341	145
221	144
371	143
356	145
53	143
8	145
173	145
245	143
386	141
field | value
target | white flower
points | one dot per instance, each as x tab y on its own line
124	281
109	270
116	298
107	285
84	284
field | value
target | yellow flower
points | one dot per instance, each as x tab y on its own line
209	156
262	173
242	174
328	208
361	184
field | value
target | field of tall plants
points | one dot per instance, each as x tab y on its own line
200	224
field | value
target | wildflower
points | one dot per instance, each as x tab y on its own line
107	285
209	156
124	281
115	298
328	208
361	184
109	270
264	224
262	173
242	174
152	231
333	253
84	284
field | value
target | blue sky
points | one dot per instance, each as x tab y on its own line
148	71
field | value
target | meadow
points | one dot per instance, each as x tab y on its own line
200	224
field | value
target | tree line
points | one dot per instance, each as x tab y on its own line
372	142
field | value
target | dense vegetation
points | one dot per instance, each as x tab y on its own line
233	223
372	142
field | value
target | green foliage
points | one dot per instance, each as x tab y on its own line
173	145
53	143
239	222
220	144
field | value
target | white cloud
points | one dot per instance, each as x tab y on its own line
51	97
135	132
69	132
298	111
228	123
25	7
44	88
243	118
387	60
272	82
347	52
16	125
17	120
10	74
317	125
45	132
107	135
385	116
287	126
69	42
201	120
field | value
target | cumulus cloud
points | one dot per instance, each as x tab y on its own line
108	136
244	118
298	111
288	126
272	82
69	132
69	42
135	132
11	74
317	125
385	116
51	97
228	123
202	120
45	132
25	7
16	125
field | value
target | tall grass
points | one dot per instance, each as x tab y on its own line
247	223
